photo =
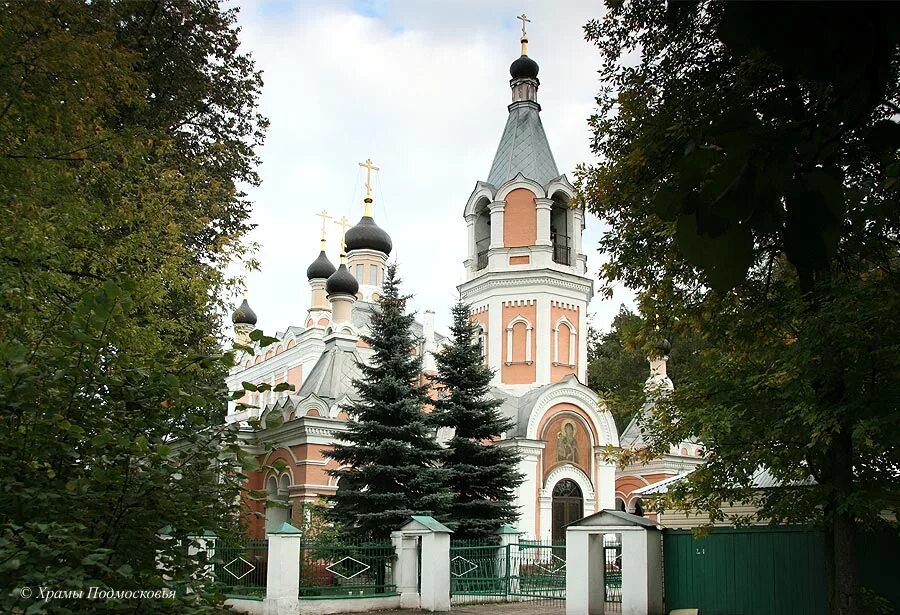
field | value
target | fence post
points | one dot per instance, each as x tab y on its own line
283	573
406	547
508	559
205	543
434	590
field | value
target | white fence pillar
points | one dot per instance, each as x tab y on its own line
434	577
641	564
406	576
283	573
641	573
585	568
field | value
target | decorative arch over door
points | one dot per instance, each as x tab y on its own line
568	506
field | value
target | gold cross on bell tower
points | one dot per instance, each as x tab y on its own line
369	166
325	218
524	40
344	223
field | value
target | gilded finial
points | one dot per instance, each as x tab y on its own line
369	166
344	223
325	218
524	40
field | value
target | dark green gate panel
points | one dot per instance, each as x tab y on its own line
746	571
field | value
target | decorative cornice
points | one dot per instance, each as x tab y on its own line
488	282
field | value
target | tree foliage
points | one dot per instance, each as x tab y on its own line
125	128
481	475
618	365
750	179
391	462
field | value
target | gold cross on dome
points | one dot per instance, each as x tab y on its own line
325	218
524	18
344	223
369	167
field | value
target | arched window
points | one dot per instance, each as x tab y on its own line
482	232
620	504
518	340
638	505
482	341
564	342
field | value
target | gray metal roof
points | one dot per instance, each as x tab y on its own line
762	479
332	376
523	148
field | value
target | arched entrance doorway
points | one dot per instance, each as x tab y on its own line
568	506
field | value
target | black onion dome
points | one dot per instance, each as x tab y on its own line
664	346
244	315
367	235
320	269
341	282
524	67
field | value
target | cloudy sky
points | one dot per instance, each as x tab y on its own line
421	87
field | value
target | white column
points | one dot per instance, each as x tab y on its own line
545	503
579	260
406	576
435	583
497	208
543	207
526	493
283	571
544	340
606	481
584	571
471	255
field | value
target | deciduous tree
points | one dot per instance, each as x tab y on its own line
125	128
750	179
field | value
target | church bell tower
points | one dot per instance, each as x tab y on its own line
526	273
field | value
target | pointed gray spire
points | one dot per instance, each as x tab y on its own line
523	148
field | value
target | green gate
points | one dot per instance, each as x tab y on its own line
746	571
768	570
529	570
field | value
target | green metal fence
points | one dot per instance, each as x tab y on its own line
346	570
486	571
240	567
768	570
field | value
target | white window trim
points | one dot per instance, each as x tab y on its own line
572	335
509	339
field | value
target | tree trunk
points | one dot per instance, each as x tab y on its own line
846	596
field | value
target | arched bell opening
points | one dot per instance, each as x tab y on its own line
482	233
561	229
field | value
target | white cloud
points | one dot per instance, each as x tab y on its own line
422	89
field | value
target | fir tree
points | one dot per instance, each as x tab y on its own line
482	475
392	459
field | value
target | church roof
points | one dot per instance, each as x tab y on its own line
332	376
523	148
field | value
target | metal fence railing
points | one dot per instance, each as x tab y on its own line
240	567
486	571
346	569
